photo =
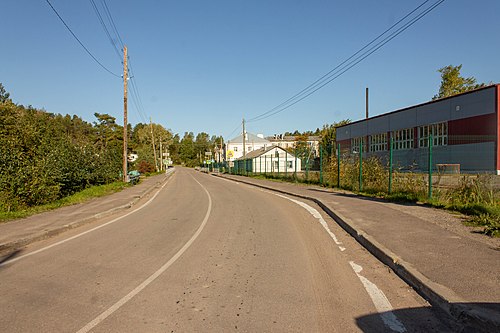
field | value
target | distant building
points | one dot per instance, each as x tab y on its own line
234	147
289	142
464	129
268	160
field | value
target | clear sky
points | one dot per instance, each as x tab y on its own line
204	65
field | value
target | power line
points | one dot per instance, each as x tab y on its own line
85	48
312	85
105	28
134	92
236	128
343	67
110	18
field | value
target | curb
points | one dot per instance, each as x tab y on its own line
469	316
17	244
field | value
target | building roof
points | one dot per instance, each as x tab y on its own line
292	138
419	105
259	152
251	138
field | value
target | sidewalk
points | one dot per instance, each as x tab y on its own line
450	266
18	233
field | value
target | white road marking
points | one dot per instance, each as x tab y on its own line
155	275
85	232
382	304
314	212
380	301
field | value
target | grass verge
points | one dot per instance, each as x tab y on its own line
80	197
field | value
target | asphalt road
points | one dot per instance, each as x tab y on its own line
208	255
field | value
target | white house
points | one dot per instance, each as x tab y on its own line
234	147
268	160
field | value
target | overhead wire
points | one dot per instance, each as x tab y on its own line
238	126
343	67
110	17
312	85
105	28
80	42
134	91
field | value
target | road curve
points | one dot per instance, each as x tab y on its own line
208	255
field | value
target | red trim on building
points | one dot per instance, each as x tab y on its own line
473	129
345	144
498	129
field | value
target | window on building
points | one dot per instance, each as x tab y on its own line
235	148
403	139
276	165
378	142
355	142
439	134
277	154
289	164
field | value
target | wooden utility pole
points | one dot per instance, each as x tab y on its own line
125	121
161	155
244	134
154	147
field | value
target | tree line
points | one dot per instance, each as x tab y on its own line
46	156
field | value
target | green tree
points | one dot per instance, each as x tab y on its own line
453	83
4	95
329	136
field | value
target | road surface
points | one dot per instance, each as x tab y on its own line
208	255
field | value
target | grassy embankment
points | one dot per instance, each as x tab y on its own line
85	195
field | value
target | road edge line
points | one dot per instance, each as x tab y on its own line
436	294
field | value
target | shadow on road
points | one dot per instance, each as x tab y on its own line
9	256
425	319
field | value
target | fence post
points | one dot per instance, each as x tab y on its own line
278	163
260	164
307	167
295	173
338	165
391	145
361	165
286	163
272	166
430	166
320	164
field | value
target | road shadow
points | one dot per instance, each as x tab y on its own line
431	319
9	256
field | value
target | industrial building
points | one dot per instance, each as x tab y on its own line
464	130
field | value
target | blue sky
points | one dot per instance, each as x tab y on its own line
204	65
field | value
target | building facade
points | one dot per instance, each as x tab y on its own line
463	131
234	147
290	141
268	160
